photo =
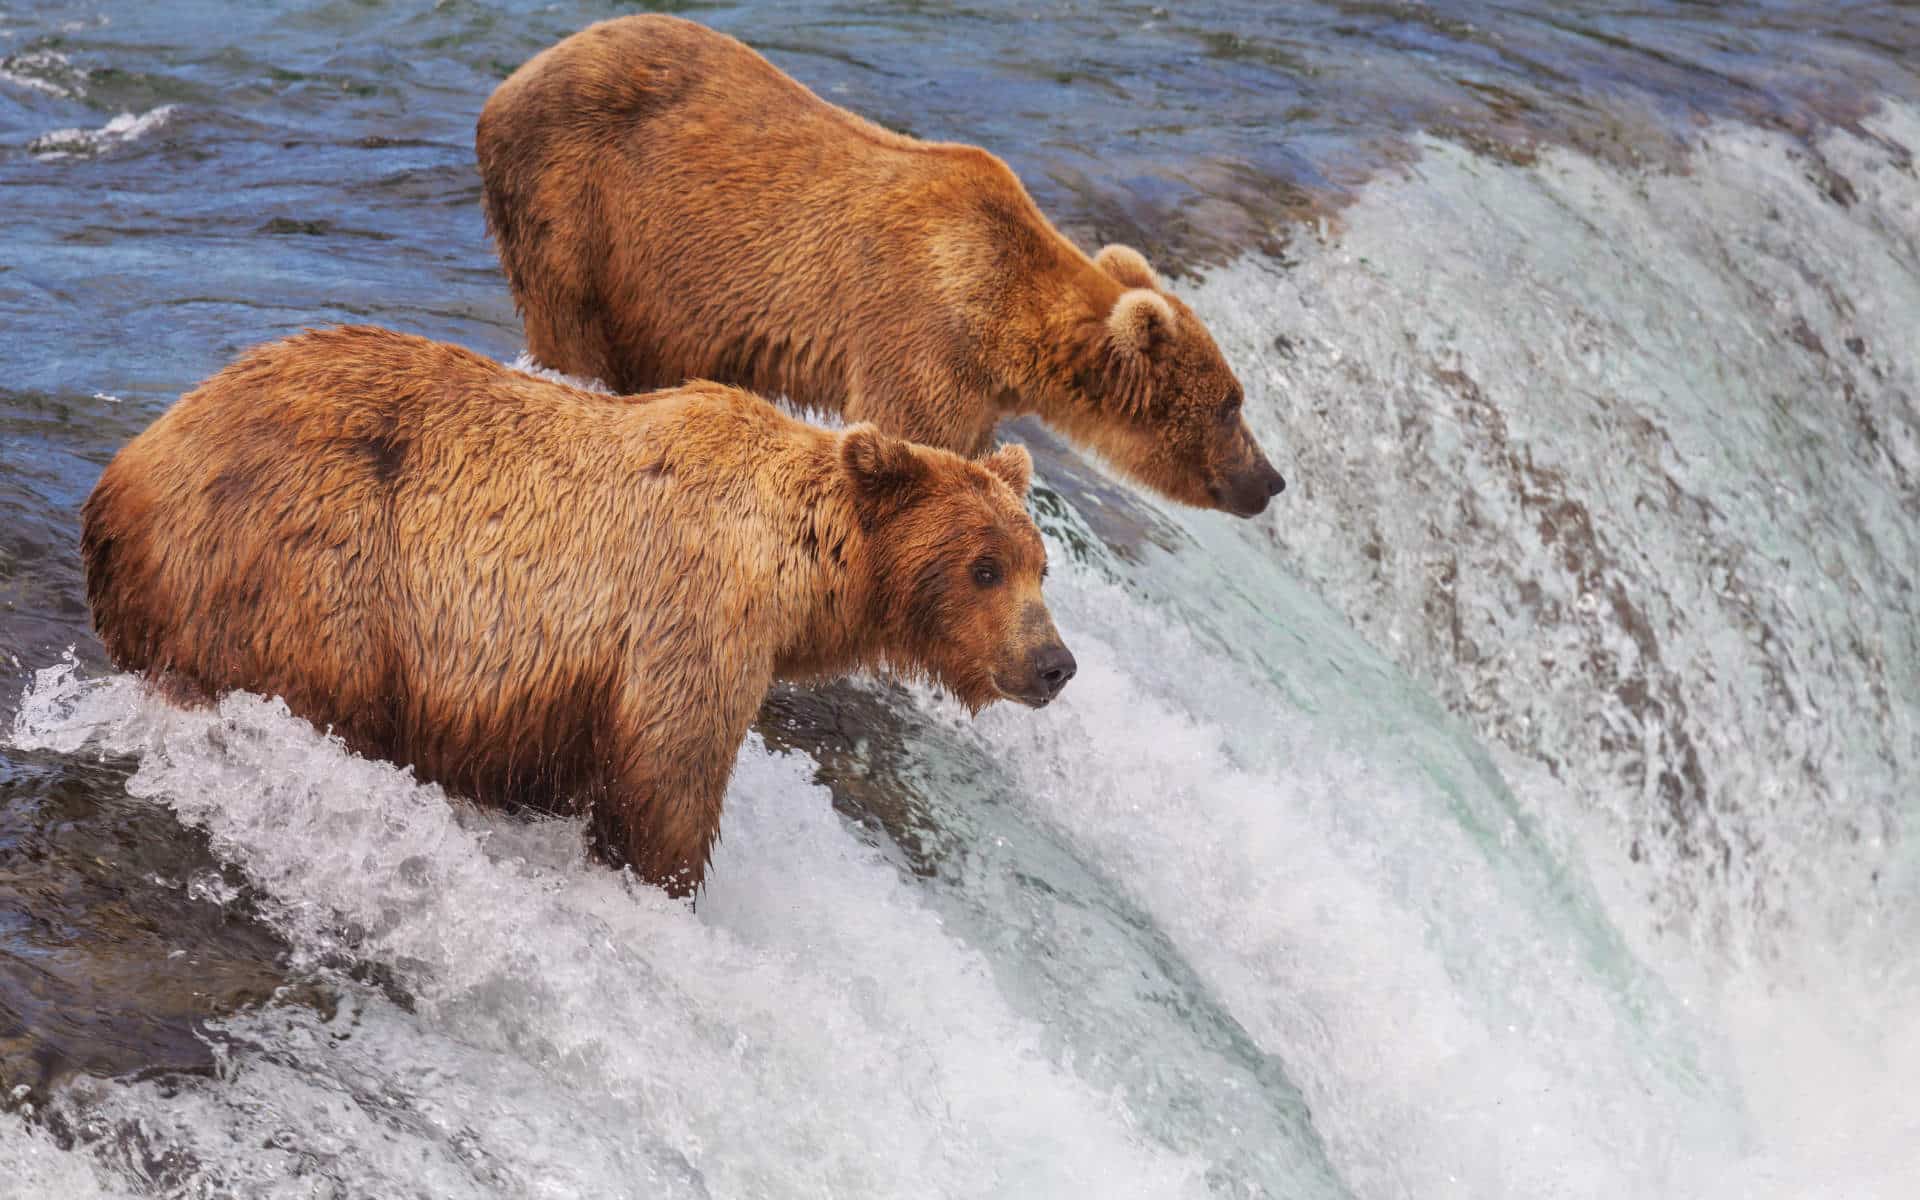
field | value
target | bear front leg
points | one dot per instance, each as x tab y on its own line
659	812
662	824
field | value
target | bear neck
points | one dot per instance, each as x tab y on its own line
1068	371
834	627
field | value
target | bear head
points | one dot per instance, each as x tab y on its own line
1179	427
957	565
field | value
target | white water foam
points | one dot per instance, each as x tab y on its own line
1369	910
47	71
31	1166
123	130
811	1029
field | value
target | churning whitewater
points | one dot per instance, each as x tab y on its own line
1516	810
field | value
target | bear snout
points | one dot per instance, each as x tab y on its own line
1245	493
1049	667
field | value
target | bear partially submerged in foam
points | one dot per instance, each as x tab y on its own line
538	595
669	206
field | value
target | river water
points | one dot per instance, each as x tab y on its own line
1523	807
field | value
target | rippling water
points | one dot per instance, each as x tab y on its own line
1521	808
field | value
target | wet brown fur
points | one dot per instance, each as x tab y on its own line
669	206
538	595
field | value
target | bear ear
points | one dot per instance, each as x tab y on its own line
1140	318
1126	266
885	470
1013	465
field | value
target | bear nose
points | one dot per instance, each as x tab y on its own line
1053	665
1247	492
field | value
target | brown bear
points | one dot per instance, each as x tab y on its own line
537	595
670	206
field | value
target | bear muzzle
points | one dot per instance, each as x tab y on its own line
1048	668
1245	492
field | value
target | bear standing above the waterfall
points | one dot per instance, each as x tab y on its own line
670	206
538	595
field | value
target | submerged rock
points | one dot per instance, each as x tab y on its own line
121	934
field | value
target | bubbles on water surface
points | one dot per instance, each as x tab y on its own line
43	70
122	130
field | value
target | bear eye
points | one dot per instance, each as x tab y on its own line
986	573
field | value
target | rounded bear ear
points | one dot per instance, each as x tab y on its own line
885	470
1013	465
1140	317
1126	266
